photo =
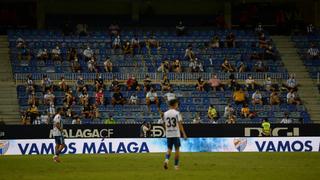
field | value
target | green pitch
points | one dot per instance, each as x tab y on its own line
199	166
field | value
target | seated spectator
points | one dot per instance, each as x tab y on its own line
24	53
228	110
33	113
180	29
110	120
176	66
165	84
245	112
268	85
98	82
46	83
255	56
291	83
86	112
259	66
84	98
30	84
48	98
76	67
72	54
239	96
274	98
250	83
63	84
213	114
269	52
226	66
115	85
88	53
241	66
25	119
313	52
118	98
232	119
152	98
292	98
42	55
196	119
133	99
127	48
80	84
215	42
262	41
92	65
100	97
77	120
132	84
286	119
231	40
20	42
257	98
68	98
56	54
310	29
32	99
107	65
259	29
195	65
233	84
81	29
135	43
114	29
169	96
45	119
164	67
215	83
189	54
200	86
116	43
147	83
152	42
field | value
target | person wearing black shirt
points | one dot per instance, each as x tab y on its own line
118	98
98	82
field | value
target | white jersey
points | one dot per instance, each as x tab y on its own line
57	119
171	119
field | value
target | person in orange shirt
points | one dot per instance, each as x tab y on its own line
239	96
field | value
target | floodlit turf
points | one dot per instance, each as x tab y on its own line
235	166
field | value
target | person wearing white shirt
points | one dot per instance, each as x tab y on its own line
116	42
313	52
133	99
250	82
228	110
257	98
56	54
286	119
45	118
169	96
42	54
152	98
88	53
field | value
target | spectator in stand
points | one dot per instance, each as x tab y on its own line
114	29
165	84
152	42
118	98
88	53
250	83
233	84
48	98
259	28
107	65
147	83
239	96
98	82
42	55
96	112
226	66
215	83
313	52
132	84
195	65
228	110
152	98
231	40
72	54
127	48
84	97
30	84
110	120
292	98
291	83
262	41
116	43
45	118
245	112
46	83
256	56
86	112
274	98
33	113
20	43
213	114
115	85
269	52
63	84
80	84
133	99
286	119
189	54
77	120
23	51
32	99
200	86
56	54
164	67
241	66
215	42
257	98
81	29
176	66
268	85
169	96
310	29
180	29
232	119
76	67
100	97
92	65
259	66
51	110
196	119
68	98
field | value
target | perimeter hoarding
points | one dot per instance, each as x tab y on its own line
152	145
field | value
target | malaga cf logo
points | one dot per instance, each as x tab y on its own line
240	143
4	146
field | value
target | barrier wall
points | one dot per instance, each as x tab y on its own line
152	145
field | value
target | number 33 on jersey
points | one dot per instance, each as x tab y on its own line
171	119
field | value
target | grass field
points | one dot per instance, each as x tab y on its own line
235	166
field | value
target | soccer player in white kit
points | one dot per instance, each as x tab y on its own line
172	121
58	134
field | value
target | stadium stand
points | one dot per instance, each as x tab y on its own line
146	62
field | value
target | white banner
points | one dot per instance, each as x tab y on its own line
150	145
